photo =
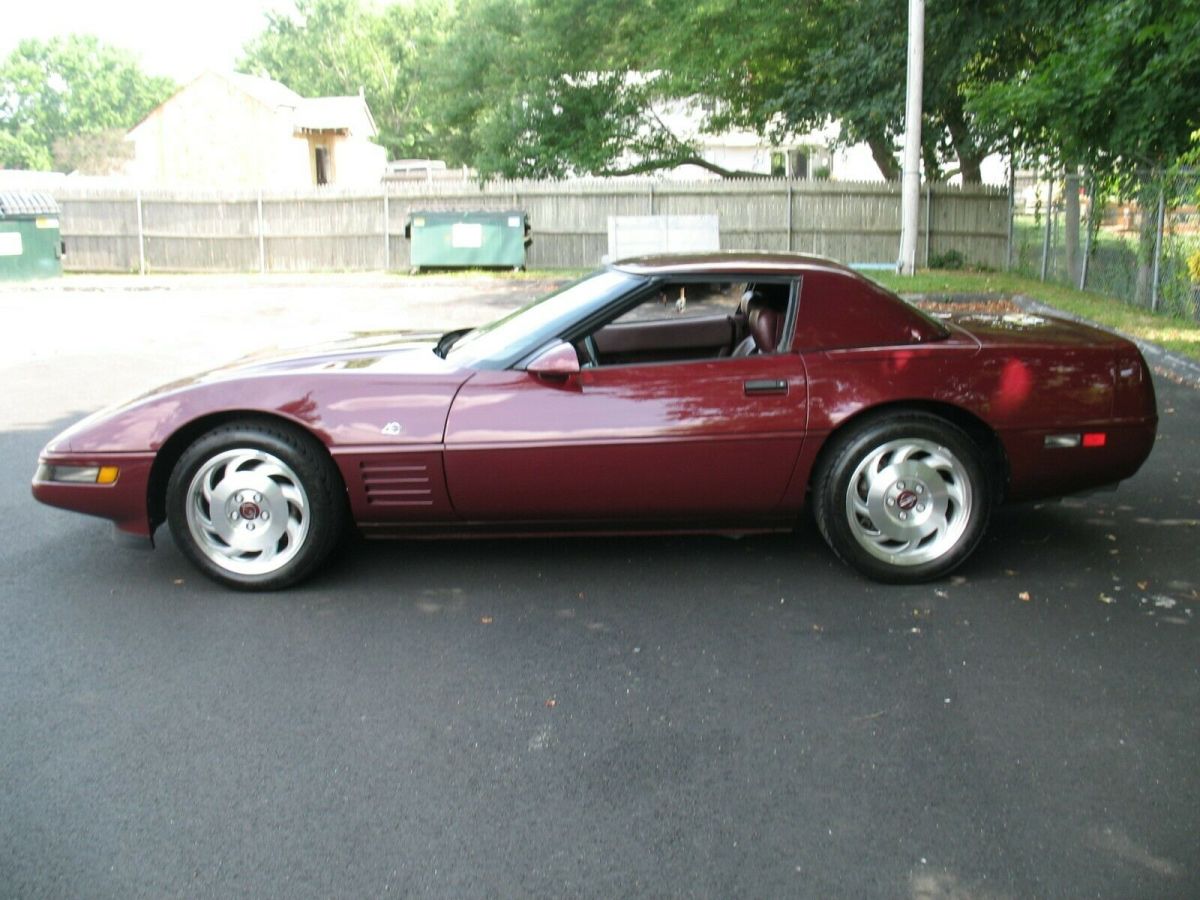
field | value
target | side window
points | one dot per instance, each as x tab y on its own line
692	320
683	300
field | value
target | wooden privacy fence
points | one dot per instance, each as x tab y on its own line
332	229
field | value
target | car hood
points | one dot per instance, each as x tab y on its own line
349	392
400	353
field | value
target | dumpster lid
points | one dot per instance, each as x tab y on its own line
446	215
27	203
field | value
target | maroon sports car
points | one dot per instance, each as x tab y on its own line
716	393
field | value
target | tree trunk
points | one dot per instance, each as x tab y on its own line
969	166
970	154
885	158
1148	207
1071	225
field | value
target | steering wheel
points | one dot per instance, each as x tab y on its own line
590	352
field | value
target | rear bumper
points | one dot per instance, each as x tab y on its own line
1037	471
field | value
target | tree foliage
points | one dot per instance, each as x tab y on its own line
67	87
22	150
93	152
339	47
581	84
549	88
1114	87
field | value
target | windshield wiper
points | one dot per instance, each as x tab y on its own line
448	340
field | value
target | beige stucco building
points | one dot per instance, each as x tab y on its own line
233	130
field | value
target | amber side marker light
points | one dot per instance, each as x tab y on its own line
77	474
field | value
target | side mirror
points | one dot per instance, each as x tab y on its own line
559	360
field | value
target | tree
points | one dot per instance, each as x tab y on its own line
93	152
22	151
1114	89
578	83
548	88
339	47
58	89
797	67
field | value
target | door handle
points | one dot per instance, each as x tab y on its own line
766	386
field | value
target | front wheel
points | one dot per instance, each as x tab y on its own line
255	506
903	499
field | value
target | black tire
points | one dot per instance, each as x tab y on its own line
256	505
903	498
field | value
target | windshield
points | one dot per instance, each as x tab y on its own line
506	340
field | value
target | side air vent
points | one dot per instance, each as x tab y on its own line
392	484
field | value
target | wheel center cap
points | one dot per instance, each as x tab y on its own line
907	500
249	510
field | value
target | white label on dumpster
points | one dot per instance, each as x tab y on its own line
514	221
10	244
46	222
466	234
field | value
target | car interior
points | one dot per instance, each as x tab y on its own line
692	321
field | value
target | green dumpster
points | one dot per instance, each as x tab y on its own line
473	239
30	237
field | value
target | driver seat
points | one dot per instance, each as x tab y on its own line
765	323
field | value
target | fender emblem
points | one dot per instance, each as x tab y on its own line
393	428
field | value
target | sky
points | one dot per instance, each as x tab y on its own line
179	38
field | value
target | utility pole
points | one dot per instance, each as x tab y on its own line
910	196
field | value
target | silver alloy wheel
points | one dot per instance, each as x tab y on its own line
909	502
247	511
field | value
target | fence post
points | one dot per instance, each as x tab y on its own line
1158	234
1046	237
141	235
262	241
652	198
1087	234
789	216
928	218
1012	211
387	232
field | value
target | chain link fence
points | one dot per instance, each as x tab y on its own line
1141	247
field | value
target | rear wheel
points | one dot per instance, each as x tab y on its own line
904	498
255	506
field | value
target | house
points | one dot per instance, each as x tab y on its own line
232	130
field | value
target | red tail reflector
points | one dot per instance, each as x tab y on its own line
1095	439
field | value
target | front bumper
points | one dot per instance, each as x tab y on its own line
125	501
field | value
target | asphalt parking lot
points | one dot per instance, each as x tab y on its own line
686	716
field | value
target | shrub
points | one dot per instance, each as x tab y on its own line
951	259
1193	264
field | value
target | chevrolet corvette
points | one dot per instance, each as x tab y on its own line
724	393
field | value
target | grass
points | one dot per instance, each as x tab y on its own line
1177	334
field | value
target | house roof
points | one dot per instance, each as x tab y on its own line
307	113
265	90
333	114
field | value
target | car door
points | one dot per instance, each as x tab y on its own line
695	440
